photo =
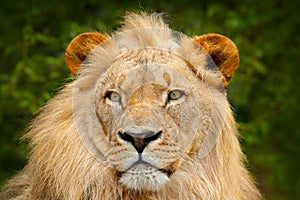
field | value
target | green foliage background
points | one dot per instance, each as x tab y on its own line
264	93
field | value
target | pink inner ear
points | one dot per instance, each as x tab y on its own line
80	47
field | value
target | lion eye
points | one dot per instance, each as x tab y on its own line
175	94
113	96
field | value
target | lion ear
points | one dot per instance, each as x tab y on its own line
80	47
223	52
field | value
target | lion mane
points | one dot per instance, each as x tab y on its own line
146	117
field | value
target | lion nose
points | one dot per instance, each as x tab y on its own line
140	140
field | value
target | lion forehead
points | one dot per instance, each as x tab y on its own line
156	65
166	76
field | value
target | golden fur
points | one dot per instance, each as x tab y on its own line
79	140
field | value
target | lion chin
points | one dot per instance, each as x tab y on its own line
144	177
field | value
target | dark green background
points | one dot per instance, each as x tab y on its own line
264	93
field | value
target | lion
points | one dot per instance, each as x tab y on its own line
146	117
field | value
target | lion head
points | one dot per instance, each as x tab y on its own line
151	102
145	117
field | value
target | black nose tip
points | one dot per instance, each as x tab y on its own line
140	140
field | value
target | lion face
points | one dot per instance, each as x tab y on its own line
144	107
149	115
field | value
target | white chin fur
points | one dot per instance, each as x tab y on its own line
141	179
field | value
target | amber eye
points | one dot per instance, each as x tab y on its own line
175	94
113	96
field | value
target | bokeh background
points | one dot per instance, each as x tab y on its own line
264	93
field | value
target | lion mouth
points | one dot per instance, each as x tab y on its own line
141	167
144	176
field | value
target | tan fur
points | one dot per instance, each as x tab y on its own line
77	150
